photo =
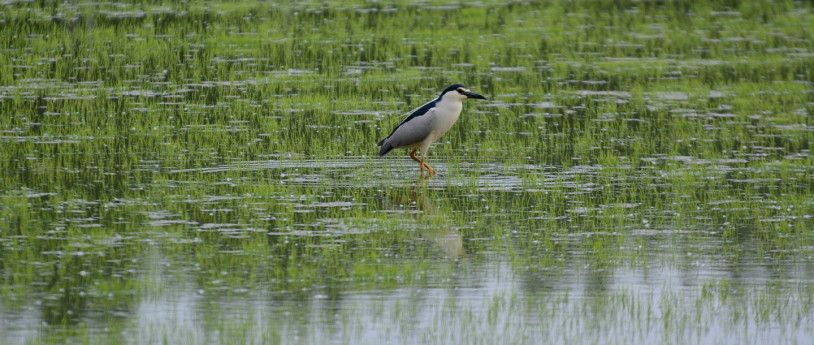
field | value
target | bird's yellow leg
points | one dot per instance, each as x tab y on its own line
421	165
430	170
412	155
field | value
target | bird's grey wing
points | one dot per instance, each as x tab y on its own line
413	131
420	111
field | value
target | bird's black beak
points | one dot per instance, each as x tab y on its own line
470	94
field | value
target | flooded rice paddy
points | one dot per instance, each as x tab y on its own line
207	173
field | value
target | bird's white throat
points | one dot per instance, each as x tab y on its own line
448	109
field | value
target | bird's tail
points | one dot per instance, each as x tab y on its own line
385	147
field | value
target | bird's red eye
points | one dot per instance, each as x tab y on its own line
460	90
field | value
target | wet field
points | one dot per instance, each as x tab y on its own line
207	173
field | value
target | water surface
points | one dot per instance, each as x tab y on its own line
208	174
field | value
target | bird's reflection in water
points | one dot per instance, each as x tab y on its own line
432	226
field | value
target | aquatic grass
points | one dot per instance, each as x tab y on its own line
639	168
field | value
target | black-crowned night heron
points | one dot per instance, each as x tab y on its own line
427	123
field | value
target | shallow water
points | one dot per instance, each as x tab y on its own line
180	185
478	253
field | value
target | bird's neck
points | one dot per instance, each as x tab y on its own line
450	104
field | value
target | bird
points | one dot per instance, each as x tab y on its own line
426	124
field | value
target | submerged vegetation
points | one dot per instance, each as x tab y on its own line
207	172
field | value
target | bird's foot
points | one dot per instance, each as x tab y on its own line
430	170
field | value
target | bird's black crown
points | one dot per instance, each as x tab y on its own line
453	88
